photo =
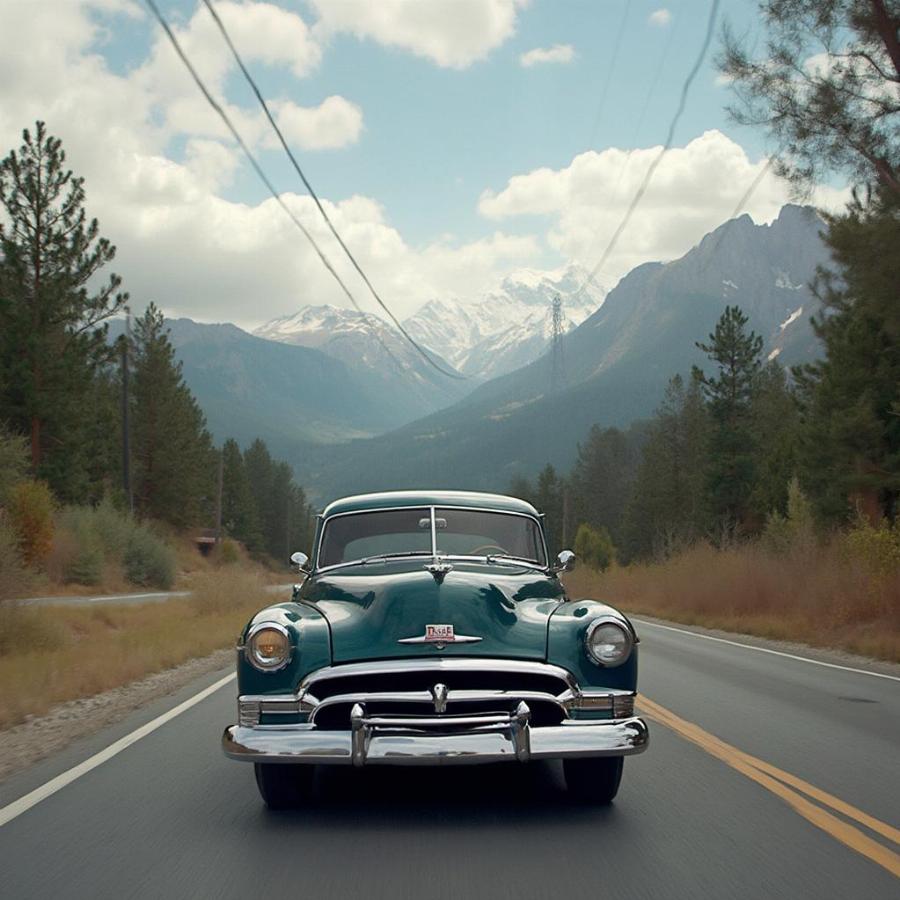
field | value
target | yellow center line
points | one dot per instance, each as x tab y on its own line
776	781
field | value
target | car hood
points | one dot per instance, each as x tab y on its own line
371	609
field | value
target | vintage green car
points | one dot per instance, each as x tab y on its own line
432	629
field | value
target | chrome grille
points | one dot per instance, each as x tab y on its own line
405	689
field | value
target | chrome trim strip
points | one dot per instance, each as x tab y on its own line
394	666
426	697
364	745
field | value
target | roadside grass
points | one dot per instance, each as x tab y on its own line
816	594
50	655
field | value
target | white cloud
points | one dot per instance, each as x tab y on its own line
660	18
558	53
452	33
336	122
695	188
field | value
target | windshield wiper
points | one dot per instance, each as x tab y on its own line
502	559
379	558
384	556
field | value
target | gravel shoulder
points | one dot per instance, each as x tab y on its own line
42	736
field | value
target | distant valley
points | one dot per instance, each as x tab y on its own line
355	407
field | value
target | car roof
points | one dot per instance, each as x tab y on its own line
391	499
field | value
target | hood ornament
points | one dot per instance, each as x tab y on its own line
440	636
439	568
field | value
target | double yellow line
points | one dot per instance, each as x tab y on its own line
791	789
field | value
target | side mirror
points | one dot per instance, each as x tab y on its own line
565	562
300	560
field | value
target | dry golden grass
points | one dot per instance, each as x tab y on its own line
49	655
817	595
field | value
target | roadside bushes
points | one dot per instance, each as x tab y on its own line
13	574
31	515
148	560
93	541
594	547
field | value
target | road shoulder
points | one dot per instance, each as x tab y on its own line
22	746
792	648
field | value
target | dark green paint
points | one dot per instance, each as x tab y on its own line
361	612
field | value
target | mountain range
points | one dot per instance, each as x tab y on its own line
617	363
492	334
354	407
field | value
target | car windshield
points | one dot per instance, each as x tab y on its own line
403	532
475	532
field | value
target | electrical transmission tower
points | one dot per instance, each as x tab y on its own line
557	361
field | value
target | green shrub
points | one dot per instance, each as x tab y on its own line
113	527
226	553
794	532
14	577
86	566
876	546
13	463
31	515
148	560
594	547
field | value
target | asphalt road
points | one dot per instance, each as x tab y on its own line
169	816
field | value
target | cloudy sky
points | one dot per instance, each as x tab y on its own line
453	141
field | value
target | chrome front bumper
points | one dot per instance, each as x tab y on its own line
380	740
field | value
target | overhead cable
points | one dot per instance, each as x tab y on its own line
739	208
257	167
651	169
609	72
265	107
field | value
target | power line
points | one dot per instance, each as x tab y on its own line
739	208
312	193
685	88
257	167
612	64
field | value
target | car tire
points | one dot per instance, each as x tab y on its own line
594	779
284	786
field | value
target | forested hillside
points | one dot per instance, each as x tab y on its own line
104	451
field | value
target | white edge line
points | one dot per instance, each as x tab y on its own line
23	804
815	662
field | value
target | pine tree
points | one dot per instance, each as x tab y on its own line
52	340
851	399
775	423
173	463
667	508
729	394
239	513
825	88
549	501
602	478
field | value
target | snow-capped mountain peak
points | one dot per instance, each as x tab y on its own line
485	336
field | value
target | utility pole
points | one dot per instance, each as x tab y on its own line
125	343
557	362
287	524
219	497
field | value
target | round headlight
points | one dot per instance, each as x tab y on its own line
268	647
608	642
